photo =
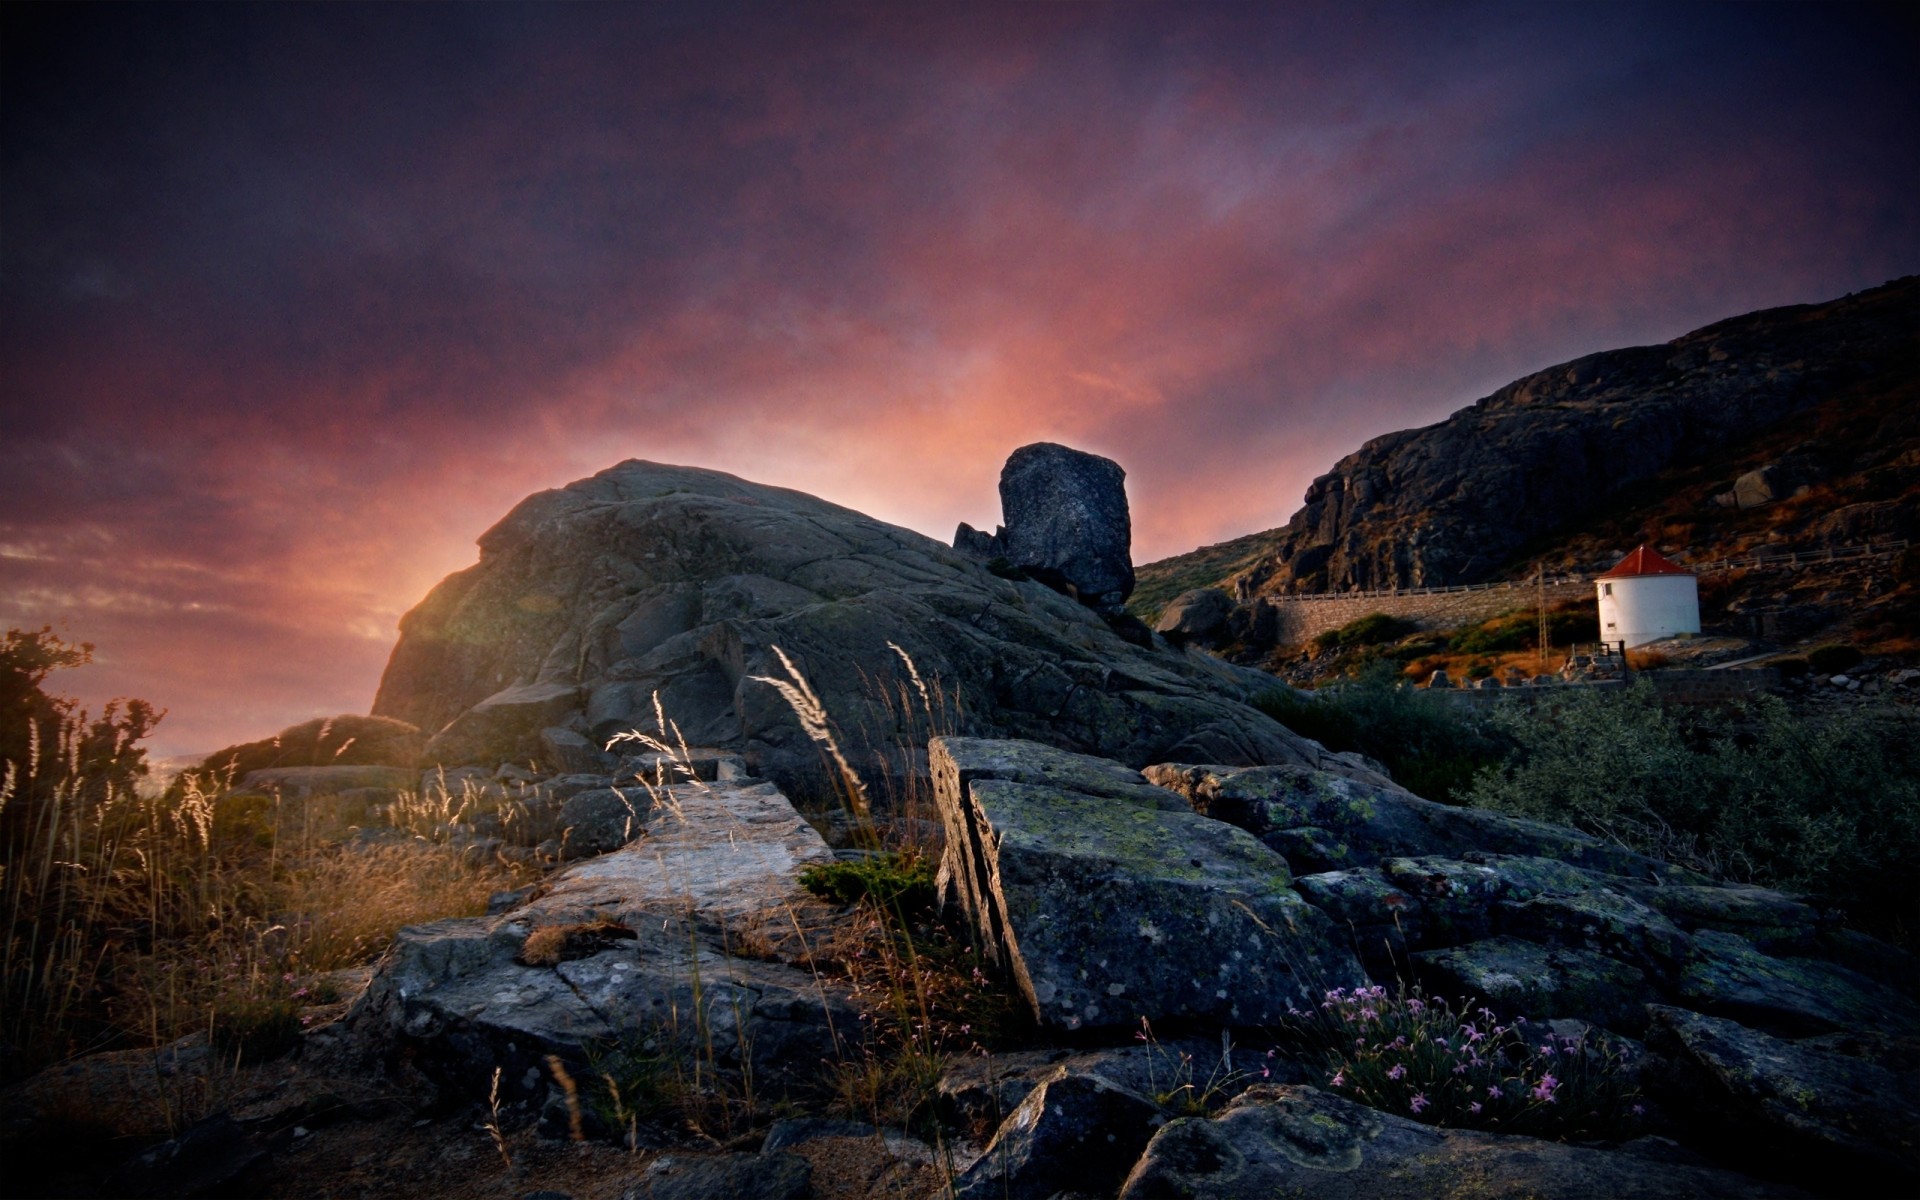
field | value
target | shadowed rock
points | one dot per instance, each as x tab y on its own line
1300	1141
1843	1105
650	580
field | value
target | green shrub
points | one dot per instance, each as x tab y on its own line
1833	659
1826	804
1431	747
892	883
1370	630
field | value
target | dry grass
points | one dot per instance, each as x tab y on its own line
134	920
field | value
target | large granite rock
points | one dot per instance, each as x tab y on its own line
1106	899
653	580
1300	1141
640	948
1840	1106
1065	522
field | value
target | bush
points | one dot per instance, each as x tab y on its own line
1822	804
1520	630
1431	747
1833	659
1792	668
892	883
1370	630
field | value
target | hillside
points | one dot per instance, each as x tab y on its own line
1811	409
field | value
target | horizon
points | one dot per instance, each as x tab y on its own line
296	302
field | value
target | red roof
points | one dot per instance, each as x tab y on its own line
1643	562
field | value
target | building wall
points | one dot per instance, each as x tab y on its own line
1298	619
1644	608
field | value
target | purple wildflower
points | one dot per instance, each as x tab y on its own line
1339	1078
1398	1072
1418	1102
1494	1092
1474	1108
1544	1089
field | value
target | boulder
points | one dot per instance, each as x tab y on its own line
1107	899
568	751
1300	1141
1074	1132
653	581
1065	523
504	726
1842	1106
1199	615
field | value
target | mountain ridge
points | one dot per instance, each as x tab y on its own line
1496	486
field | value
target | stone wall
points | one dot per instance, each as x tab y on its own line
1297	619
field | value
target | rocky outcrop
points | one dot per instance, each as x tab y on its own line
1846	1105
349	740
1065	522
653	581
1107	899
1300	1141
1323	821
1455	501
636	948
1202	615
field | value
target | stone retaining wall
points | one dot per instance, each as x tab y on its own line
1297	619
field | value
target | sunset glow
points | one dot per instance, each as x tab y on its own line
296	301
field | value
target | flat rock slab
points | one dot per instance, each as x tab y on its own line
1730	977
732	1176
1107	908
722	854
1839	1106
1544	982
1300	1141
715	872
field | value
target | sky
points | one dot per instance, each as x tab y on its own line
296	301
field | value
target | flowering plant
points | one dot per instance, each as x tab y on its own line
1420	1057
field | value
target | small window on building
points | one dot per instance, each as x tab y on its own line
1606	589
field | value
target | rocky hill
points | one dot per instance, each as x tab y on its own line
652	591
1607	444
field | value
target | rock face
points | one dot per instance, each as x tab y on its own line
1457	500
1065	522
653	580
1107	899
1300	1141
1840	1106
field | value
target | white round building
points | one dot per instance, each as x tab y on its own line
1645	597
